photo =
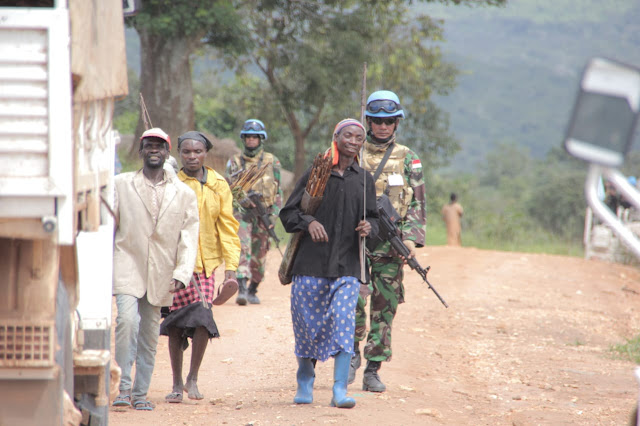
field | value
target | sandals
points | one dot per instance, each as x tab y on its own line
143	405
174	397
225	291
122	400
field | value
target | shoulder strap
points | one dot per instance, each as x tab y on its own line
243	162
387	154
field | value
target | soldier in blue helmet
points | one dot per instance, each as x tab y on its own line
397	172
254	237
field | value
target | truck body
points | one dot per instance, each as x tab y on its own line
62	66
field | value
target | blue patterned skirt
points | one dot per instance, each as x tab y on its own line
323	315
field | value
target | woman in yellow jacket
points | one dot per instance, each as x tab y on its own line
189	315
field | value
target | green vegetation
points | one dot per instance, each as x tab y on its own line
129	163
520	66
516	67
308	56
629	350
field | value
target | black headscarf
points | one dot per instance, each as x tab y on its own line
196	136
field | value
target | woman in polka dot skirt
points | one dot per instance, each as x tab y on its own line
326	269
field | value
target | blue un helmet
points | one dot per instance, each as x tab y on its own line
253	127
384	103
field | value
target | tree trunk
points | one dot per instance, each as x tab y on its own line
300	155
165	84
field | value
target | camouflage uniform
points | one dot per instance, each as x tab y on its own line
254	238
403	182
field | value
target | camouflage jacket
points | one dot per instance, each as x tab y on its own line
269	185
402	180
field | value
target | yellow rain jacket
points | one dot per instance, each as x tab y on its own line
218	239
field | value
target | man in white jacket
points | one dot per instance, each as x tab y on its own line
156	243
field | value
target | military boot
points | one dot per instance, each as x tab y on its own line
356	361
371	381
253	289
241	298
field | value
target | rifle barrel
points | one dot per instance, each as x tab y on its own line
423	274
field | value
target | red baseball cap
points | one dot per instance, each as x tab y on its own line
156	132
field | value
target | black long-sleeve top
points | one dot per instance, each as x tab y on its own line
340	211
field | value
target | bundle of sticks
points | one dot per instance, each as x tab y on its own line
319	176
243	180
246	178
311	200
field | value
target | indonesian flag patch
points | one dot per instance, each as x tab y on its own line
416	164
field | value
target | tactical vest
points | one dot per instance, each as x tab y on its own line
399	195
267	185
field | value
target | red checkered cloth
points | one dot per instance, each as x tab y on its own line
189	295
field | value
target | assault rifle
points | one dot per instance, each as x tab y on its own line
259	211
389	232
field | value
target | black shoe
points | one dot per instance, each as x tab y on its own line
356	362
371	381
241	299
251	296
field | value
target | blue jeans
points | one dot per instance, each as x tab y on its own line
137	331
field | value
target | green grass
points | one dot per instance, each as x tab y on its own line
629	350
436	233
537	242
527	242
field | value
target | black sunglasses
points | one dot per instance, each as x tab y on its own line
386	120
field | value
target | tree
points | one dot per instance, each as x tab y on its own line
311	55
170	32
307	51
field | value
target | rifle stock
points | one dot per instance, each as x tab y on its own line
261	213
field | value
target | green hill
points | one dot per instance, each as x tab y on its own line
521	65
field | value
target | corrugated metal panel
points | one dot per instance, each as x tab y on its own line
24	113
36	129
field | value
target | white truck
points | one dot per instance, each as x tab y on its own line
62	66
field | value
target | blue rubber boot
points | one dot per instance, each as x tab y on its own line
342	360
305	376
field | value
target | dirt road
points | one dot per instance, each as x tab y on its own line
525	341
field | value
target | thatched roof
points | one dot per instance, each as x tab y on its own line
222	150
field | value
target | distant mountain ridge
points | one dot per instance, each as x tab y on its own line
521	65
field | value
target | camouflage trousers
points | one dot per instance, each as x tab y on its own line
254	240
387	292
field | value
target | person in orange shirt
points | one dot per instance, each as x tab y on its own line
451	214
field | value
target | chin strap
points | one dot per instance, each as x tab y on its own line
380	142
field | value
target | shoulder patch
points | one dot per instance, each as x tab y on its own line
416	164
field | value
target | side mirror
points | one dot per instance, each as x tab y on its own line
131	7
605	113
